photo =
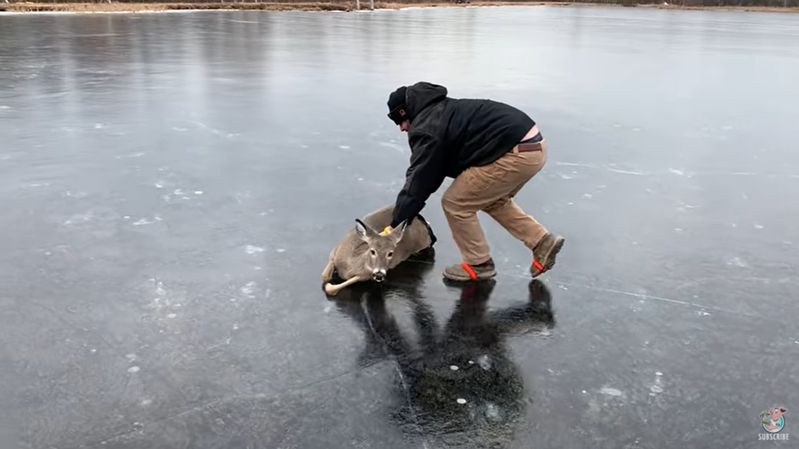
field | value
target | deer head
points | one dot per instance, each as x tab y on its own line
380	248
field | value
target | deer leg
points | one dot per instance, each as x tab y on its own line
332	289
327	273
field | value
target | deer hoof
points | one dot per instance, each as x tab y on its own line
330	289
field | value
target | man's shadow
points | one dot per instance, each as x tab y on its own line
455	382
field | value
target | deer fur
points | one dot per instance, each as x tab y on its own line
364	255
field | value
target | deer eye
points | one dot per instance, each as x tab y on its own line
390	253
372	252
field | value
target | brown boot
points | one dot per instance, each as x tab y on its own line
465	272
544	254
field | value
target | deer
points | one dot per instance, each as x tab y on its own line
363	254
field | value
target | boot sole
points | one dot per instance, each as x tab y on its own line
480	277
549	258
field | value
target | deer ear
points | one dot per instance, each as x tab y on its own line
364	231
399	231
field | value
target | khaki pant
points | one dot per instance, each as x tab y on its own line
491	188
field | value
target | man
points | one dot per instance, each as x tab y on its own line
492	150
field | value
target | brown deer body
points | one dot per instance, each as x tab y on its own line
363	254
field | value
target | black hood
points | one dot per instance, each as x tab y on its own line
422	95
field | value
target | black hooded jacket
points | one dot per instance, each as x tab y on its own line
449	135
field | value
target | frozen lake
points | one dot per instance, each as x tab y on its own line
173	183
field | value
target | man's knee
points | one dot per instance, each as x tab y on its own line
454	208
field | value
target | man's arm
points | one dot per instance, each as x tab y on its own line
423	177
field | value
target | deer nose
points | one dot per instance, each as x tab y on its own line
379	275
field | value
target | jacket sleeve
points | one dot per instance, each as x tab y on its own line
423	177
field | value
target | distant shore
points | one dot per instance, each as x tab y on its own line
331	6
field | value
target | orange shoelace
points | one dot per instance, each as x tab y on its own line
470	271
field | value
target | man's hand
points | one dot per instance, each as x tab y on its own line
386	231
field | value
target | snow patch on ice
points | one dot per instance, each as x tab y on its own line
252	249
609	391
627	172
657	387
737	262
79	218
145	221
131	155
248	289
